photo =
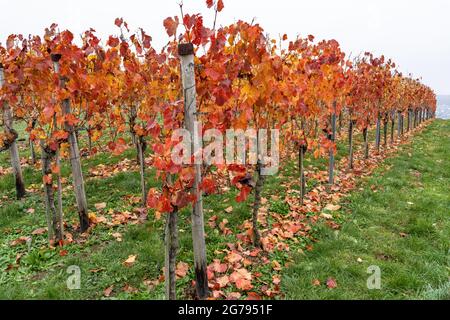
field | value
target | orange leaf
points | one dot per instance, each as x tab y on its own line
182	270
47	179
130	261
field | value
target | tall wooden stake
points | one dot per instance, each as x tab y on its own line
77	172
378	133
186	52
350	143
333	139
13	149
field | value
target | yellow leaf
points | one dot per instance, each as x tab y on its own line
130	261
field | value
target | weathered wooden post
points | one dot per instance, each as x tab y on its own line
8	120
140	141
392	126
378	133
77	172
333	140
186	53
350	143
172	246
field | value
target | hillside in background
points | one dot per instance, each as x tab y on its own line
443	111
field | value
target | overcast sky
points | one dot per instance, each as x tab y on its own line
415	33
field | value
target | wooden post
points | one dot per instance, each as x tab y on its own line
350	143
140	144
186	52
47	155
333	139
8	120
399	120
77	172
366	143
301	166
59	223
392	126
378	133
171	243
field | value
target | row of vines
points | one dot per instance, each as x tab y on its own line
122	93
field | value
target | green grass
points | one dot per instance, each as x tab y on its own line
42	272
403	228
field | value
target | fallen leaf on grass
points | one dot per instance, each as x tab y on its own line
130	261
19	241
234	296
39	232
242	279
326	216
100	206
316	283
223	281
332	207
219	267
129	289
63	253
117	236
234	257
331	283
253	296
108	291
182	270
276	265
229	210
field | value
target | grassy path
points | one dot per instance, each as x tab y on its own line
38	272
398	221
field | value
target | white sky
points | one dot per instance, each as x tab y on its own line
414	33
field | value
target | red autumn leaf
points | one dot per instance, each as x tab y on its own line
63	253
55	169
164	205
331	283
47	179
209	3
208	186
113	42
253	296
212	74
220	5
171	26
60	135
152	199
245	192
71	120
118	22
